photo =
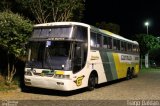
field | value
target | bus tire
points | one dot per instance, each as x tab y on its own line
93	80
128	74
132	73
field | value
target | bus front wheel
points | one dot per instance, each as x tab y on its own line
92	81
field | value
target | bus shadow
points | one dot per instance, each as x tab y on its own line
110	83
51	92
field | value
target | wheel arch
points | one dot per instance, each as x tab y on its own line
95	73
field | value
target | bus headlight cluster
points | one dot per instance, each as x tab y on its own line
28	72
62	76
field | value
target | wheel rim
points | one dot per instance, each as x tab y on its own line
92	82
128	74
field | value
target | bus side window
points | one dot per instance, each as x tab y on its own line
80	33
99	40
137	49
109	43
93	41
96	40
105	42
134	48
129	47
116	44
123	46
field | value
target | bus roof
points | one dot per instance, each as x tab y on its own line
61	23
105	32
102	31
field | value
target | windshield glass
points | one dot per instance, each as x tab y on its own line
61	47
49	54
58	31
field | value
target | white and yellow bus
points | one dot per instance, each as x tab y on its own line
71	55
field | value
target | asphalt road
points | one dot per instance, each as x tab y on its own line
135	92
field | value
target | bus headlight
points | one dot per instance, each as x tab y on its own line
62	76
28	72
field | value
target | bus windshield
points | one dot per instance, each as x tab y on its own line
58	48
57	31
50	55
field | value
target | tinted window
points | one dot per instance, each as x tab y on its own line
116	44
129	47
58	31
99	40
80	33
123	46
107	42
96	40
93	41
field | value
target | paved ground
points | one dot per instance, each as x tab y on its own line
145	87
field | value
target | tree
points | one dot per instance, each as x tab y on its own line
115	28
53	10
147	43
14	32
5	4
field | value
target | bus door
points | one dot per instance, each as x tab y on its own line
79	57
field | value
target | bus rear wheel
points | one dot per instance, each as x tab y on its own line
92	82
129	74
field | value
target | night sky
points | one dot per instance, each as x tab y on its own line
129	14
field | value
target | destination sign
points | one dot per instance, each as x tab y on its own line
56	38
128	58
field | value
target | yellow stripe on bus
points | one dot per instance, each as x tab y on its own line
121	68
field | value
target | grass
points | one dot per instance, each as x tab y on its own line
150	69
145	70
4	87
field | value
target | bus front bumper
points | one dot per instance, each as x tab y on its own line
49	83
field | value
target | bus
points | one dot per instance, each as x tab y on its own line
67	56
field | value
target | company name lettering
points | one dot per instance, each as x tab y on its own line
125	57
